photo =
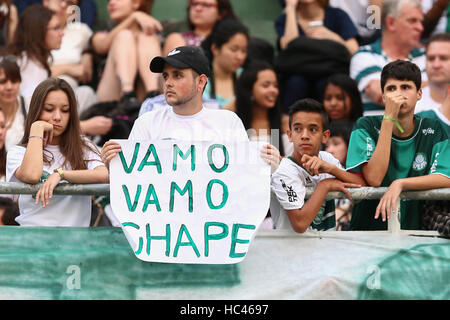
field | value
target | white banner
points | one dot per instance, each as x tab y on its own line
184	202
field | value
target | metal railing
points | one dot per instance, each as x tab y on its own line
363	193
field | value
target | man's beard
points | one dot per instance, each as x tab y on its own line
181	101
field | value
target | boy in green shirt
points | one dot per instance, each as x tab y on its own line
398	150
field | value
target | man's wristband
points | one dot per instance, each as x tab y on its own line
395	121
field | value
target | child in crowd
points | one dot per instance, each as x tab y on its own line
399	150
52	150
342	99
337	145
308	167
226	49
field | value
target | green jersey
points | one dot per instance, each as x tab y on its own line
425	151
437	114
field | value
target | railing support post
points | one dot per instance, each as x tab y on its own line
394	221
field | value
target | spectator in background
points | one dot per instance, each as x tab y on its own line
202	15
316	20
226	49
337	145
70	62
342	99
39	31
13	105
438	73
52	150
442	114
401	31
129	47
258	106
437	15
361	13
8	22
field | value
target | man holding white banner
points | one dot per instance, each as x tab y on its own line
185	72
187	187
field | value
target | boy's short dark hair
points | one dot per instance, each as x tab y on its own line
401	70
309	105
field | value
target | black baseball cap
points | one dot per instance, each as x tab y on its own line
183	58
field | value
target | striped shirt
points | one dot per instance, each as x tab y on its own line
367	64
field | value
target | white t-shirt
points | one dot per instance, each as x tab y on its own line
32	73
426	102
15	132
205	125
63	210
288	185
74	42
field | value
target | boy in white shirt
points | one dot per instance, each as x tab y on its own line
308	167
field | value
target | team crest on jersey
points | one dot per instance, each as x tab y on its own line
292	195
427	131
420	162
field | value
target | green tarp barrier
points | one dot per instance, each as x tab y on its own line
98	263
89	263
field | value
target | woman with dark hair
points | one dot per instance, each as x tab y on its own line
226	49
202	15
342	99
39	31
52	150
13	105
257	104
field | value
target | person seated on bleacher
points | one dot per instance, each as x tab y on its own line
39	31
129	47
364	14
312	19
202	15
70	62
226	49
398	150
401	23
